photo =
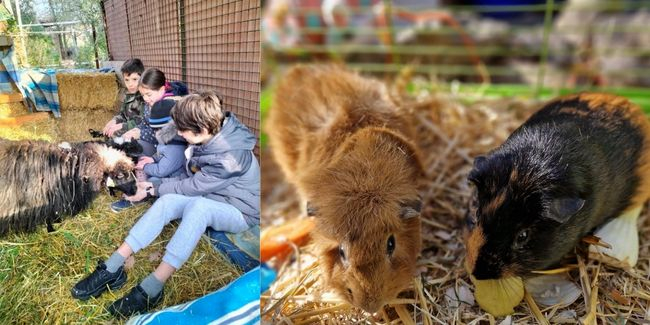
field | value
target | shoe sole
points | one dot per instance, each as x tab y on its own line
100	291
150	307
120	210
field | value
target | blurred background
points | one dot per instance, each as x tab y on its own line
504	47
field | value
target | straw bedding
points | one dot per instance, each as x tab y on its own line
451	131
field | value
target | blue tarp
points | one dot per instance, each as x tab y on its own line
236	303
8	73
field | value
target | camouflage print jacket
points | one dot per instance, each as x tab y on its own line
131	112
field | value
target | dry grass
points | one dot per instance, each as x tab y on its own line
37	270
87	91
451	131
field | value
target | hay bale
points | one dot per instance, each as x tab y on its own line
74	124
86	91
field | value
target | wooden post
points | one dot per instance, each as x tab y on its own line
23	41
95	46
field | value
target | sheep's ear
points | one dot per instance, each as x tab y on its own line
110	182
312	211
561	209
410	209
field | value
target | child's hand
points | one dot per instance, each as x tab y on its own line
143	161
114	128
108	126
131	134
141	193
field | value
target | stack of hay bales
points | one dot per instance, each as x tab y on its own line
87	101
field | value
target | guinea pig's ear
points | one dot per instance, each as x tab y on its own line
410	209
475	173
561	209
311	210
479	162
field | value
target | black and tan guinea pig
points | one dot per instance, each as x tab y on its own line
575	164
343	143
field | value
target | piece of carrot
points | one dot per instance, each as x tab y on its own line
274	241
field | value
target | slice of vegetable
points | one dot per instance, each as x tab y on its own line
275	240
551	290
499	297
622	235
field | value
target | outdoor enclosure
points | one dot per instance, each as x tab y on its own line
210	45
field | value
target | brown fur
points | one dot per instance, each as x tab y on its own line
613	104
343	143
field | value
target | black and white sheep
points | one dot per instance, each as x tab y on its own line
42	182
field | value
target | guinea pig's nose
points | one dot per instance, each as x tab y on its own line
371	305
485	271
487	268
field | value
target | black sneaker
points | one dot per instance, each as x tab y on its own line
97	282
135	302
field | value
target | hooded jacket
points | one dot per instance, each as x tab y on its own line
223	169
131	112
169	159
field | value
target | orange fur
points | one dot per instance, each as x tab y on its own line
342	142
613	104
492	207
473	245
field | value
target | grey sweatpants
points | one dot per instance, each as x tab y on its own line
196	214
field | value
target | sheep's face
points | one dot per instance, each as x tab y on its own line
118	170
123	181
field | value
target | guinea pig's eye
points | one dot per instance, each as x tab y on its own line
342	254
390	245
522	238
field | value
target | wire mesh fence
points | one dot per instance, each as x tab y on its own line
207	44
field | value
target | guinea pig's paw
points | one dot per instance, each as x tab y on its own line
622	235
552	289
499	297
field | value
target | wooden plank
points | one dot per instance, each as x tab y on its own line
19	120
10	98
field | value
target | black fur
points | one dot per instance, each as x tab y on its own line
40	182
561	157
132	148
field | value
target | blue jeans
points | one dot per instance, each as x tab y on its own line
196	214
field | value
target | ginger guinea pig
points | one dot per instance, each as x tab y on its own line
342	142
572	166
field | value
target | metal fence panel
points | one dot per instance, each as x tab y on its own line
210	45
223	52
154	30
117	28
